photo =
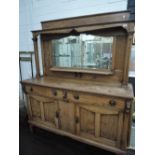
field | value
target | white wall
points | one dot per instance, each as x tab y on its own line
32	12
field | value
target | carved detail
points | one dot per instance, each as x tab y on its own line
127	107
65	96
34	39
112	102
74	32
76	119
76	97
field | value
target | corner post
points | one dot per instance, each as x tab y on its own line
130	31
35	43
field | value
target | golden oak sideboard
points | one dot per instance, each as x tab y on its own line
84	92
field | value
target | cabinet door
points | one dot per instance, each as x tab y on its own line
43	109
99	123
67	116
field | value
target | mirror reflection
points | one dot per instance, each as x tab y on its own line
84	51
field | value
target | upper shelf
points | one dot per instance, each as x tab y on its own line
88	71
87	23
104	18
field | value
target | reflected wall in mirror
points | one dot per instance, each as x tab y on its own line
83	51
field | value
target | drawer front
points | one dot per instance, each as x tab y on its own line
100	100
37	90
77	97
45	91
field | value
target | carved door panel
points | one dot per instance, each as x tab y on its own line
44	109
99	123
67	116
34	108
51	113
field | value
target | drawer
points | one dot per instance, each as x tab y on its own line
45	91
100	100
90	99
37	90
76	97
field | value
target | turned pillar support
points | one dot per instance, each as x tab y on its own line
35	43
127	58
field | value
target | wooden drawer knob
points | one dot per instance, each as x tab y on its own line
112	102
54	92
65	96
31	89
76	97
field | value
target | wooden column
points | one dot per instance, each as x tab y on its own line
36	55
113	53
43	54
127	58
126	124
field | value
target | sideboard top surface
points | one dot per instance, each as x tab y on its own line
87	87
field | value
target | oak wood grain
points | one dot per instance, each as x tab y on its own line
104	89
92	106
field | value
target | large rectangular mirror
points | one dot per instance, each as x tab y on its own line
83	51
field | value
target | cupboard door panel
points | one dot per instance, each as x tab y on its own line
100	124
44	109
67	116
35	108
87	121
50	110
109	126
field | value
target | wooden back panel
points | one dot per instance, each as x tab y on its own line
106	18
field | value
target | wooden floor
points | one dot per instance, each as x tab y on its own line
46	143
